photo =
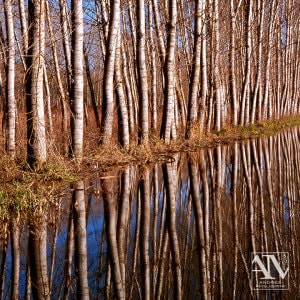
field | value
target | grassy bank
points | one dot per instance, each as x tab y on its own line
22	190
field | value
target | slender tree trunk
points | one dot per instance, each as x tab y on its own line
233	93
195	76
108	88
24	28
169	71
204	80
36	132
216	69
57	71
257	97
153	71
10	81
92	89
244	120
142	74
64	18
124	134
76	97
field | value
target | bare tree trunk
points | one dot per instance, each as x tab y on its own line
57	71
24	28
204	80
244	118
169	71
92	89
76	96
142	74
216	73
195	76
153	71
257	97
124	134
108	88
267	95
64	18
36	132
232	77
48	101
10	81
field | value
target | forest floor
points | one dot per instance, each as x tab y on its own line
103	159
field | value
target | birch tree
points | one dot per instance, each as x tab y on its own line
169	93
36	132
142	73
195	76
10	81
76	97
108	87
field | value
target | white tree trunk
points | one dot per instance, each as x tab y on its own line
108	84
36	132
10	81
76	97
142	74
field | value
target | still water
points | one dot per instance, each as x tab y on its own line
221	223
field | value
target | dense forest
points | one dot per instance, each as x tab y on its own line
133	71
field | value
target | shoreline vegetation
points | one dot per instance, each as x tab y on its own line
19	182
25	194
60	168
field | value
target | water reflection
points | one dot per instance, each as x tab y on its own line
184	229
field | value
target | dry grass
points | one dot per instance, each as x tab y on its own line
23	191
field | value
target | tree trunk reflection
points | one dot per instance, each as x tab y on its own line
184	229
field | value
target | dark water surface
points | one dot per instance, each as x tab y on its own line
221	223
